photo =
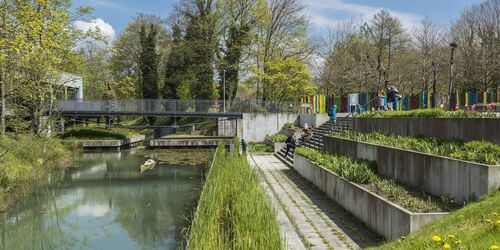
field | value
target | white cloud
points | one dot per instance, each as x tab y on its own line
106	30
329	13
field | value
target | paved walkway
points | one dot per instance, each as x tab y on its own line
308	218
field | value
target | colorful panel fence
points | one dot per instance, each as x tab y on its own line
348	102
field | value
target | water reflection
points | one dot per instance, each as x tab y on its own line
107	204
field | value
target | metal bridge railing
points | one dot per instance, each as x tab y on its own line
149	106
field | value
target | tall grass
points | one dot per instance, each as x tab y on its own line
25	159
480	152
233	211
363	172
435	113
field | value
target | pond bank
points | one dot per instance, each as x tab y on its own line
24	161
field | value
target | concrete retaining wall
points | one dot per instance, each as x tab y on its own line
276	145
436	175
382	216
313	120
188	142
465	129
254	127
114	144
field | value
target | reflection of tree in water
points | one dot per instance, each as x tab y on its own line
43	222
182	157
148	212
39	225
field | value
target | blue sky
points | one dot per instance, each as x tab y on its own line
112	16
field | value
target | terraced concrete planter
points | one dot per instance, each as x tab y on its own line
465	129
276	145
112	144
381	215
436	175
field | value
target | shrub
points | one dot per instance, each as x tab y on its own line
289	125
278	137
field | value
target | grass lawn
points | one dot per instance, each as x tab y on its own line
476	226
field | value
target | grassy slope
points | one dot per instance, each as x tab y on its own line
470	225
24	160
234	212
98	133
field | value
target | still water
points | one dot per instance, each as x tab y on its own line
106	203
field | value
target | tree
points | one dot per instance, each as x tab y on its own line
239	19
126	52
149	62
287	80
282	34
428	39
387	34
200	43
175	65
39	44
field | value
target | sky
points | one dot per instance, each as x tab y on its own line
112	16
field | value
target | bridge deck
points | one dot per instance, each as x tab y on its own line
173	108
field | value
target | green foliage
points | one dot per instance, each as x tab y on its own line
480	152
24	159
476	226
255	147
97	133
149	62
234	211
289	125
363	172
175	66
430	113
285	80
278	137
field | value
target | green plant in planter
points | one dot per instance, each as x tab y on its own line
476	151
278	137
429	113
364	172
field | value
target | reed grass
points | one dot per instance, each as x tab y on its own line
234	211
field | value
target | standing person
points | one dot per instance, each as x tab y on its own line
359	109
291	142
333	116
390	98
381	99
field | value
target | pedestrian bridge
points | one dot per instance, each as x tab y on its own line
173	108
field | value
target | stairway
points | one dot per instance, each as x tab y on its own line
316	142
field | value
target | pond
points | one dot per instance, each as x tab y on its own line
105	203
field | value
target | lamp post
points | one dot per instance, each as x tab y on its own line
453	46
224	88
434	70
